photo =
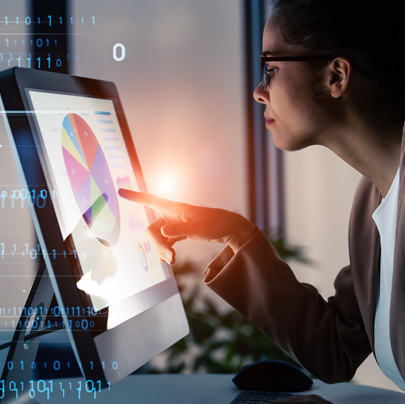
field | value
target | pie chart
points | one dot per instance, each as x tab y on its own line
90	178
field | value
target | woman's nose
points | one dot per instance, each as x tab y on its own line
260	95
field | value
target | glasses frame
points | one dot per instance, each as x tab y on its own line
309	58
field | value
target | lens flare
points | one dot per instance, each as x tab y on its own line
166	184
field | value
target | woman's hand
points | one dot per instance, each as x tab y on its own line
181	221
95	254
311	399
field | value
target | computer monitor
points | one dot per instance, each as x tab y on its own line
118	303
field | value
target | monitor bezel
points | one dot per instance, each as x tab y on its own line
92	349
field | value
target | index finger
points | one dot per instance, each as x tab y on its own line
161	205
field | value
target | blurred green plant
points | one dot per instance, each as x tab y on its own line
287	252
218	342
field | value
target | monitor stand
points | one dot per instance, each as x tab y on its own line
16	384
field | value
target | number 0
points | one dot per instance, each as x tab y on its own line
123	53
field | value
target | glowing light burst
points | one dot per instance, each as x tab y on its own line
166	184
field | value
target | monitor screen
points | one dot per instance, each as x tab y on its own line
118	305
85	161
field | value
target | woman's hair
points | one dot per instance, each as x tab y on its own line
372	29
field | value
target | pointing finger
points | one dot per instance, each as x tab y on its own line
161	205
138	197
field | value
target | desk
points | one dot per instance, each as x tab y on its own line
200	389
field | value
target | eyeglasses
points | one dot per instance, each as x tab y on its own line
267	74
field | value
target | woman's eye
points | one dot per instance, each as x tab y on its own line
271	70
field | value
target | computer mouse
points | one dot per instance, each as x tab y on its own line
272	375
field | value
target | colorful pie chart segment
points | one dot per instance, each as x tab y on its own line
142	257
90	179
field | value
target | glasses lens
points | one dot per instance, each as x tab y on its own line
264	78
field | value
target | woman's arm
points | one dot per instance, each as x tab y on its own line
327	338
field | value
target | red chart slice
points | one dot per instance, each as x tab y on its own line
73	126
87	139
92	186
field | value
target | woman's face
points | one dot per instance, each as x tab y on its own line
292	115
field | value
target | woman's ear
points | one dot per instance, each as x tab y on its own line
340	73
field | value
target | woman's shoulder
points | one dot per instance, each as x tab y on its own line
366	200
365	188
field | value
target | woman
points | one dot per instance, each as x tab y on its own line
342	86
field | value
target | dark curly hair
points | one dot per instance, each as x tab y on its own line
372	29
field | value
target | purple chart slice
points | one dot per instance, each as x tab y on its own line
102	177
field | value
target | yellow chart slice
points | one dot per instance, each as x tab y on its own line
70	147
74	127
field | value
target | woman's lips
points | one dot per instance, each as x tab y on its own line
269	120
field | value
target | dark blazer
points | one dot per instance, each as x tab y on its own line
329	338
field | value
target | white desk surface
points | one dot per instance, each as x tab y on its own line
200	389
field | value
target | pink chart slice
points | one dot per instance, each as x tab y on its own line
76	172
